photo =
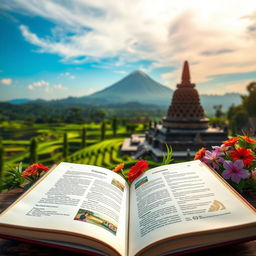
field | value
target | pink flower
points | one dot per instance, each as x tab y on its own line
213	158
222	148
235	171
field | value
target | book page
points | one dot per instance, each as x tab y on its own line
79	198
178	199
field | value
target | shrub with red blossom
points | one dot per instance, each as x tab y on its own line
234	160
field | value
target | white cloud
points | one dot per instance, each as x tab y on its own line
41	83
217	37
46	86
229	87
67	74
59	87
6	81
121	72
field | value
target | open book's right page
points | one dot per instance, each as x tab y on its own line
178	199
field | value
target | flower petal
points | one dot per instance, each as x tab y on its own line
235	178
244	174
226	174
239	164
228	165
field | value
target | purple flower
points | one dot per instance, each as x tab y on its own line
221	149
235	171
213	158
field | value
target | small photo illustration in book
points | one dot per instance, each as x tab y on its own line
118	184
141	182
96	219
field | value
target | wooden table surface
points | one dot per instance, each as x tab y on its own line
15	248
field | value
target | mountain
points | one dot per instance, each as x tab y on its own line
226	100
19	101
137	86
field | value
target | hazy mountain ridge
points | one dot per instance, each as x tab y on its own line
19	101
138	87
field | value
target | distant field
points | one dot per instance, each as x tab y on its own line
16	142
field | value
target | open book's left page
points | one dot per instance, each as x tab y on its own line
76	198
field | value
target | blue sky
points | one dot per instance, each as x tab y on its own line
55	49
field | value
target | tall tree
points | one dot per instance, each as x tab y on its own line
33	151
65	145
249	101
103	128
1	161
114	126
83	142
218	110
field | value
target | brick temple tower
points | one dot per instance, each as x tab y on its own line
185	111
185	127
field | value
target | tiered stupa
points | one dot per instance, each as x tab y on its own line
186	110
185	127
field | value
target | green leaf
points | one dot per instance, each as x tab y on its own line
169	156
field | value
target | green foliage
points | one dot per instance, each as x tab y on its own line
218	111
131	128
105	153
114	126
83	142
13	178
74	115
1	161
219	122
103	131
238	118
168	158
50	138
233	128
241	119
65	145
249	102
33	151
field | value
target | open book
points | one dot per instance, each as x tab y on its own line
169	209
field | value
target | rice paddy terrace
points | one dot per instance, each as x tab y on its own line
16	139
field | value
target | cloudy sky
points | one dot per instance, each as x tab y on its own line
58	48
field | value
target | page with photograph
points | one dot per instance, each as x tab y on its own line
77	198
179	199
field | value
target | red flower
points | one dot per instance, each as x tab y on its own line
43	168
200	154
137	170
34	169
249	140
231	141
243	154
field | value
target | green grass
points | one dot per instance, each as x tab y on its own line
50	142
105	154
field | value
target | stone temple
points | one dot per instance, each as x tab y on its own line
185	126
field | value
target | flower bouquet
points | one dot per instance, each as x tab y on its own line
234	160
